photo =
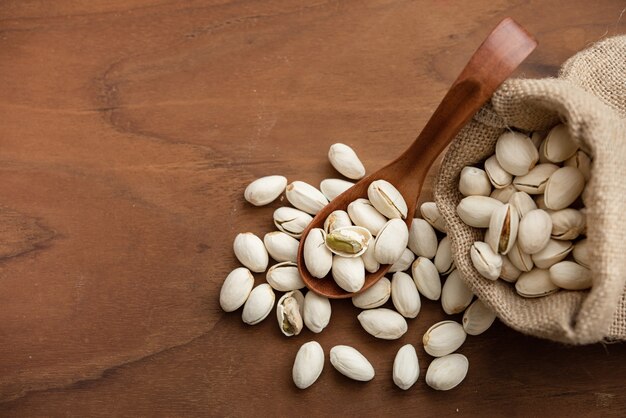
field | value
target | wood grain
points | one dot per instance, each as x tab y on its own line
129	131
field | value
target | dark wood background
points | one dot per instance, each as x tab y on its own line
128	132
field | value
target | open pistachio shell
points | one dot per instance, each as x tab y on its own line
349	241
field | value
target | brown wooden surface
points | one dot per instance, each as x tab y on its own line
129	130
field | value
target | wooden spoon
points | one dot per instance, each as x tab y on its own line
492	63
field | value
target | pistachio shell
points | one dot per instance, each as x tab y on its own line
350	363
405	367
391	241
553	252
443	338
534	231
563	187
404	295
291	221
536	180
236	289
305	197
540	201
422	238
447	372
478	318
383	323
516	153
259	304
485	260
337	219
281	246
349	241
426	278
535	283
265	190
316	312
559	145
455	295
251	252
431	214
363	213
567	224
375	296
317	258
537	138
476	211
387	199
522	202
404	262
284	277
331	188
308	364
503	229
499	177
443	258
349	273
510	273
582	253
369	261
289	312
571	276
474	182
581	161
504	194
345	160
520	259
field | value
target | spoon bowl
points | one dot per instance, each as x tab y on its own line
492	63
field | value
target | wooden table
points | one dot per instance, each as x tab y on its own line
129	132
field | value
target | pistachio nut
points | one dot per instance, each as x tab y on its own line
387	199
431	214
510	273
284	277
337	219
351	363
316	312
422	238
536	180
331	188
443	338
534	231
406	368
447	372
504	194
476	211
345	160
308	364
516	153
498	176
474	182
265	190
403	263
251	252
522	202
571	276
391	241
236	289
317	258
289	312
567	224
426	278
477	318
455	295
535	283
519	259
443	257
559	145
404	295
291	221
552	253
363	213
281	246
383	323
349	241
582	253
503	229
375	296
349	273
305	197
581	161
259	304
485	260
563	187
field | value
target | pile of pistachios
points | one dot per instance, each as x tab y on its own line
527	195
369	234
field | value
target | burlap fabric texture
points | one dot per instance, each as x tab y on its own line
590	96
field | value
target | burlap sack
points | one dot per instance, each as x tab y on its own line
590	96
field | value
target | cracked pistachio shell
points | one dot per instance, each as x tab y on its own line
281	246
236	289
344	159
259	304
406	368
375	296
317	258
383	323
422	238
567	224
534	231
476	211
485	260
522	202
431	214
447	372
426	278
520	259
331	188
337	219
387	199
552	253
455	295
582	253
563	187
571	276
443	338
251	252
391	241
305	197
284	277
503	229
516	153
404	295
510	273
289	312
265	190
443	257
349	273
369	261
474	182
504	194
351	363
291	221
349	241
536	180
363	213
581	161
497	175
535	283
317	311
308	364
404	262
477	318
559	145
